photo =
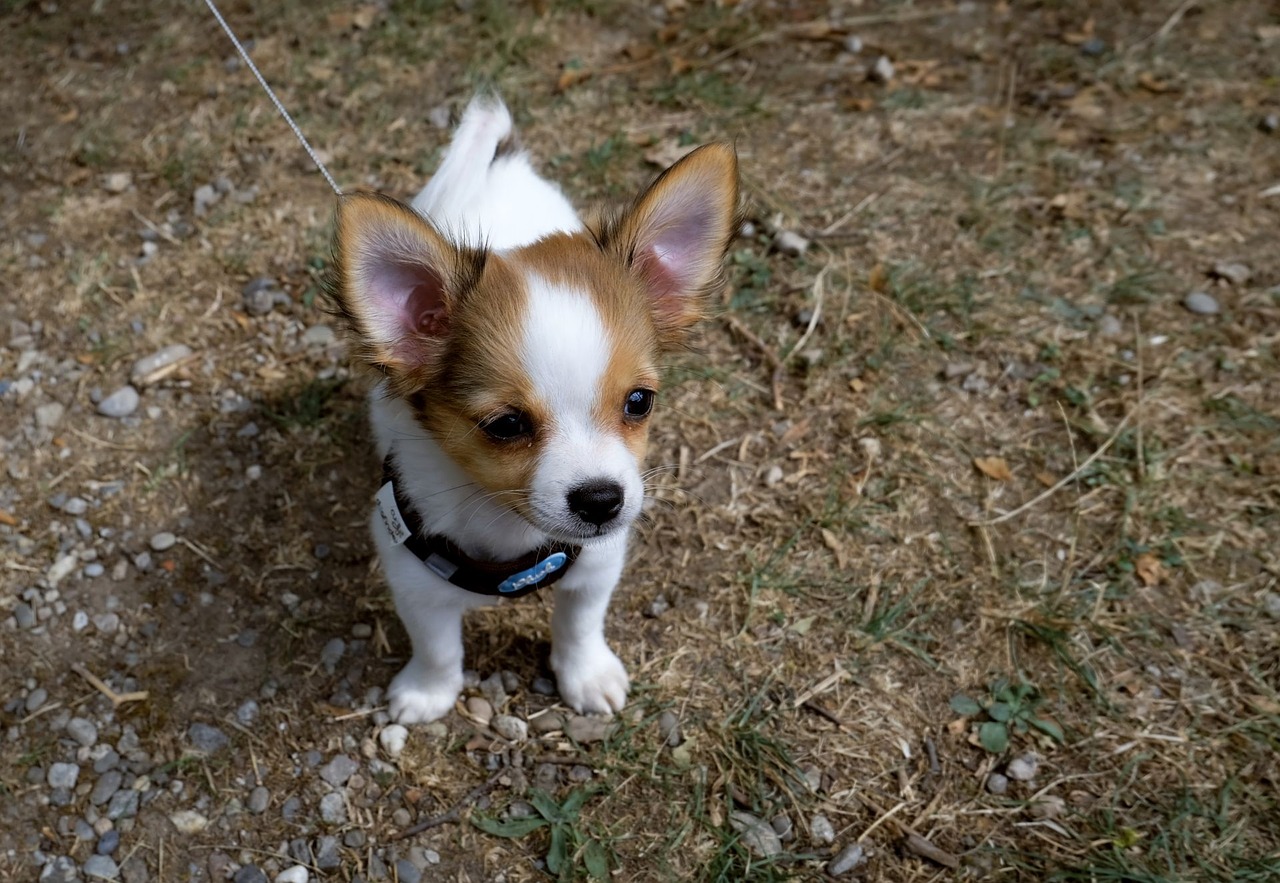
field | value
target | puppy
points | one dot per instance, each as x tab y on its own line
519	352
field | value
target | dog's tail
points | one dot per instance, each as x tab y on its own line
485	135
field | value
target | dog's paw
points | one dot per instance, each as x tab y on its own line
418	699
592	682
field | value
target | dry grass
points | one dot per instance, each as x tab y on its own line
836	566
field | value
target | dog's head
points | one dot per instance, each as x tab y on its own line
536	369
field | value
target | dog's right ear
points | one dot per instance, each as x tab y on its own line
395	281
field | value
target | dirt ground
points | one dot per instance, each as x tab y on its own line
962	556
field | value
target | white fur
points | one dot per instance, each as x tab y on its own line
506	204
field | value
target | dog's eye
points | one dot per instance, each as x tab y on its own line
639	403
508	426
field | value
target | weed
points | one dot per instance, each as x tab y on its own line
571	851
1009	707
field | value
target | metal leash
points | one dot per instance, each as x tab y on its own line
272	95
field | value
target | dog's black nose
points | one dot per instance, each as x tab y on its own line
596	501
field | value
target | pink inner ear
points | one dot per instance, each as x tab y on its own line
408	301
675	259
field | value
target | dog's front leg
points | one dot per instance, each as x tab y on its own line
590	677
428	686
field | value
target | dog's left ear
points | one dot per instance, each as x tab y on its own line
675	235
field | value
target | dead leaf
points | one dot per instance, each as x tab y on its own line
639	51
572	76
856	385
958	726
1148	568
878	279
795	432
859	105
8	518
680	65
1069	205
364	16
1267	33
1045	479
832	542
1086	105
1152	83
993	467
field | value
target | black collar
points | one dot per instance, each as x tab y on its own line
508	579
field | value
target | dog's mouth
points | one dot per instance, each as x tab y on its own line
567	529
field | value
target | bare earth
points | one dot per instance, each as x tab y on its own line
963	551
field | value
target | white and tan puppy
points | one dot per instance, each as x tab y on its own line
519	351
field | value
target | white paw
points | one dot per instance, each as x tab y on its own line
416	698
591	681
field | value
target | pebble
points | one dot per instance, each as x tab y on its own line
846	860
105	788
188	821
440	116
331	654
790	243
853	44
202	200
997	783
123	805
117	182
145	367
548	722
36	698
63	775
782	826
543	686
250	874
392	739
259	800
1023	768
93	570
1201	303
1271	603
49	415
1270	123
106	623
296	874
24	615
480	709
1047	806
101	867
207	738
318	336
333	809
1110	326
326	853
510	728
669	728
62	568
757	835
882	71
83	731
1093	47
821	830
337	771
493	690
121	403
247	713
1233	271
61	870
108	843
74	506
657	607
584	729
162	541
406	872
290	809
259	295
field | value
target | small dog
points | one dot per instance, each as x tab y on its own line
519	350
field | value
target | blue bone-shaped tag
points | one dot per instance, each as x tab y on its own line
533	575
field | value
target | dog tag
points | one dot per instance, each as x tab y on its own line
389	512
533	575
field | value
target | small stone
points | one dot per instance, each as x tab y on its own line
1269	123
337	771
117	182
846	860
361	630
853	44
259	800
205	197
543	686
123	805
435	730
318	336
326	853
296	874
290	808
782	826
49	415
547	722
1271	603
332	654
63	775
188	821
83	731
354	839
1110	326
997	784
148	366
206	738
1233	271
1047	806
1023	768
74	506
757	836
247	713
108	843
250	874
401	818
406	872
93	570
510	728
669	728
333	809
657	607
259	295
101	867
881	71
392	739
493	690
585	730
440	116
790	243
106	787
1093	47
163	541
121	403
61	870
1201	303
36	698
62	568
24	615
480	709
821	831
